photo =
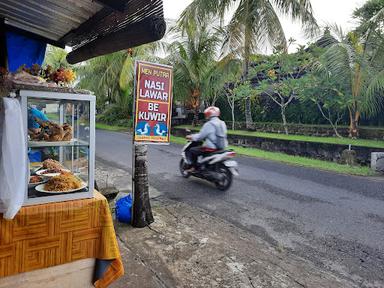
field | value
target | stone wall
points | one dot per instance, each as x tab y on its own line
300	129
311	130
321	151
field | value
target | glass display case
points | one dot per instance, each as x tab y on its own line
60	128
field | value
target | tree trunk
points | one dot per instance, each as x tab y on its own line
195	120
247	52
142	212
196	106
284	120
335	130
233	115
329	119
353	124
248	113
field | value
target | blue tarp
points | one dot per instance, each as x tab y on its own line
22	50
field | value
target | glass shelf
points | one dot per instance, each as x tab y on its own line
72	143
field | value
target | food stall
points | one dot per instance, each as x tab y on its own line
66	141
54	227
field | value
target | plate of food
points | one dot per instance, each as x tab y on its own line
36	180
64	183
51	172
51	168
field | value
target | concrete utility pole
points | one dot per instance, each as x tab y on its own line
142	211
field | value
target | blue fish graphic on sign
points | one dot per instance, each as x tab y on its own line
160	129
143	128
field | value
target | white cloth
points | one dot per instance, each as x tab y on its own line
209	132
13	161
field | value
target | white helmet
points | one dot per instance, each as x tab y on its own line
211	112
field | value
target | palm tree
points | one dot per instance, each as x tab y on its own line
197	72
359	74
254	24
111	78
371	18
101	75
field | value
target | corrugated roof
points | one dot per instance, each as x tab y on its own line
51	19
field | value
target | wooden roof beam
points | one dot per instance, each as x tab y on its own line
148	30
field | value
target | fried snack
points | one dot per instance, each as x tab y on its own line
51	171
51	131
64	182
56	132
52	164
67	132
35	179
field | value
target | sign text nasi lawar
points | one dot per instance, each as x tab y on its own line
153	101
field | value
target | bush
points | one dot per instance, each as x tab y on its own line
115	115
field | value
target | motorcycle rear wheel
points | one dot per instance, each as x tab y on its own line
226	183
183	166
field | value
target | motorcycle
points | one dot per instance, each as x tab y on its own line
216	167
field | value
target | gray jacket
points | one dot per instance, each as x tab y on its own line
209	131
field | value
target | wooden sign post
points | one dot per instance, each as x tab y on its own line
152	125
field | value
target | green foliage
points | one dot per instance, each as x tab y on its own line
253	23
115	115
199	74
55	57
193	56
101	75
245	90
368	10
284	79
111	78
360	82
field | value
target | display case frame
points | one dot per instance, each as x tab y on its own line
61	96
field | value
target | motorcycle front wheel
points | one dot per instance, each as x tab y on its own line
226	182
183	167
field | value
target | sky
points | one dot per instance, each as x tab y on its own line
326	12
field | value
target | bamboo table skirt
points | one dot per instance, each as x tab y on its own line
47	235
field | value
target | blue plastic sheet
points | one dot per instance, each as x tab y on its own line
123	209
22	50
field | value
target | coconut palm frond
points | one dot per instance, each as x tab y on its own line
374	94
377	18
339	62
267	27
299	10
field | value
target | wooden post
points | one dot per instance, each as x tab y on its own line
142	212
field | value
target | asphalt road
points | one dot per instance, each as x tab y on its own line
336	221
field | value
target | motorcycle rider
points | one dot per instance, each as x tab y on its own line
213	133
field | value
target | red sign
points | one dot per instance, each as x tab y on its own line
153	103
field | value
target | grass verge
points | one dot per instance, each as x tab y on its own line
103	126
295	160
327	140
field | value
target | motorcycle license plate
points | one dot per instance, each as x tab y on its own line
230	163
